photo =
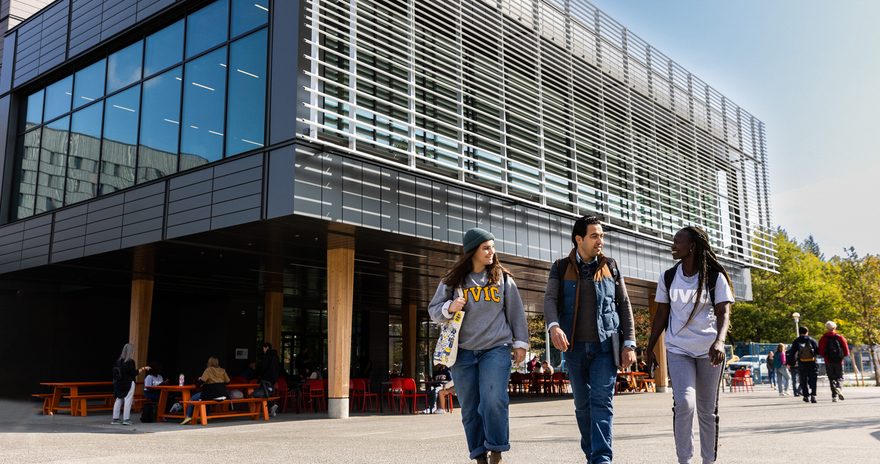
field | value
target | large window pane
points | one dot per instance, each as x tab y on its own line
58	98
206	28
164	48
124	67
160	125
85	150
204	100
247	94
53	162
248	14
34	110
120	141
26	174
89	84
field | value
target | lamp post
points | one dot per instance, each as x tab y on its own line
797	327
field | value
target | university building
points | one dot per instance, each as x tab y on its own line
198	176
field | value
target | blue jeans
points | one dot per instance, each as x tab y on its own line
592	372
481	378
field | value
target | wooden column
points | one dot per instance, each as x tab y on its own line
143	265
409	340
340	291
661	374
273	303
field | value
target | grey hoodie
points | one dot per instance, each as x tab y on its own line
485	325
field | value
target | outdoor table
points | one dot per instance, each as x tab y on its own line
72	388
186	392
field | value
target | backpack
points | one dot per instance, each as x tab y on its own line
806	352
117	372
669	276
833	352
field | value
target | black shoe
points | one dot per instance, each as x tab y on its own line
840	396
797	394
482	459
806	400
812	399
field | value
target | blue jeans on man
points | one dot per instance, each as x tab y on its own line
481	378
592	372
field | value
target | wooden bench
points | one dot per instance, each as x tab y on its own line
47	402
256	407
79	404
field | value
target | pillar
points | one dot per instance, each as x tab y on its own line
340	291
142	282
273	301
410	334
661	374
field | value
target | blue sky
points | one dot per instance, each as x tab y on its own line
810	70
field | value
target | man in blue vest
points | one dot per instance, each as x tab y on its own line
588	312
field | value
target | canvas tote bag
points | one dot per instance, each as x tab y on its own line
446	350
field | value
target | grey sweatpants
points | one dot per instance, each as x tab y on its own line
695	384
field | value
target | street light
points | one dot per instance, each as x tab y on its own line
797	328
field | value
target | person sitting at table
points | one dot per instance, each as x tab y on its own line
546	369
154	378
445	394
213	387
438	382
124	373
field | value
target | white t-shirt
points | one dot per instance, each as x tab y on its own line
696	337
152	380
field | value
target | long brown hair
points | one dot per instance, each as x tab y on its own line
455	276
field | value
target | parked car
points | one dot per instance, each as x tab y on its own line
757	363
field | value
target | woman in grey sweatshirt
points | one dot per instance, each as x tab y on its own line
495	322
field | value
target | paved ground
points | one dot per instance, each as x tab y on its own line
757	427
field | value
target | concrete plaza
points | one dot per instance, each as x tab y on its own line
756	427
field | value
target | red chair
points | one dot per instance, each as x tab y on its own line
315	395
409	390
282	390
742	379
360	392
558	383
395	389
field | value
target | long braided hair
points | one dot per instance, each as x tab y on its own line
705	260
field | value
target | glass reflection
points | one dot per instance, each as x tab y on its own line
26	174
160	125
53	161
124	67
204	98
206	28
58	98
85	151
247	94
89	84
34	115
120	141
248	14
164	48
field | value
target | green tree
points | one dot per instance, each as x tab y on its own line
803	283
537	343
860	282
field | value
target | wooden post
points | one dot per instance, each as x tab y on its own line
340	292
409	341
273	301
143	263
661	374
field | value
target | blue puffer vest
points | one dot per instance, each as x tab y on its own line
608	322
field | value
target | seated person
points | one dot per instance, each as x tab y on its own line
438	383
213	388
153	379
546	369
445	394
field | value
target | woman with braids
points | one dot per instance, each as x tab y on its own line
496	322
693	307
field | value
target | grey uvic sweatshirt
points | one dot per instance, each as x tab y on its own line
485	325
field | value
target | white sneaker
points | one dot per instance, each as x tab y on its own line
274	410
833	400
176	408
782	394
440	411
427	411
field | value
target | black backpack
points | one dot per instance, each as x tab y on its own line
117	372
833	351
669	276
806	352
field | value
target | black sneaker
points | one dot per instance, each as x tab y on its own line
840	396
812	399
806	399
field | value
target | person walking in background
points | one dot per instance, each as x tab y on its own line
271	370
587	310
124	374
694	299
495	322
791	362
805	349
833	347
771	372
781	369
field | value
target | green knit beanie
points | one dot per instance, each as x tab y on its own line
474	237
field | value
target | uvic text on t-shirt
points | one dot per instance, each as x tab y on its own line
694	338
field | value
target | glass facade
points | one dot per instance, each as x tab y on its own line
116	122
545	102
